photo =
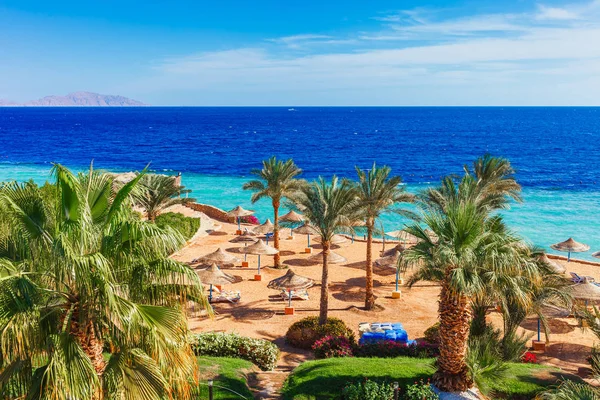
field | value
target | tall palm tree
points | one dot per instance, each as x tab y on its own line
158	192
330	208
82	279
471	250
377	193
276	180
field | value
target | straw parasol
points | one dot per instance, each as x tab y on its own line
403	236
586	291
570	246
554	265
219	257
290	281
332	258
239	212
265	229
259	248
307	230
335	239
214	276
291	219
390	260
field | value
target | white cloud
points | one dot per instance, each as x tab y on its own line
555	13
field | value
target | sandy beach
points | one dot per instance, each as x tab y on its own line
260	312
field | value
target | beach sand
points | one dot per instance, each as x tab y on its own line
260	312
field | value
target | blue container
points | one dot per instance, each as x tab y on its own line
397	326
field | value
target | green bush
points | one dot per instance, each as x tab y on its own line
304	333
262	353
187	226
432	334
368	390
420	391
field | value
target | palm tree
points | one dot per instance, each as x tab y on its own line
82	279
330	208
277	180
471	250
158	192
377	194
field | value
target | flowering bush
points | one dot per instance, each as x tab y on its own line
305	332
529	358
420	390
262	353
432	334
250	219
390	349
368	390
332	346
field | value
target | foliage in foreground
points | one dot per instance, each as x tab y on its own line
158	192
80	275
262	353
187	226
368	390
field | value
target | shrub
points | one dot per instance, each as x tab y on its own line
420	391
187	226
529	358
432	334
514	346
368	390
390	348
332	346
250	219
262	353
305	332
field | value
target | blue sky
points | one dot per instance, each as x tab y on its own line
305	53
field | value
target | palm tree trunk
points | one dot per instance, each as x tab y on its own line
455	318
86	337
369	296
277	258
323	308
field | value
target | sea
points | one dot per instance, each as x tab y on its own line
555	150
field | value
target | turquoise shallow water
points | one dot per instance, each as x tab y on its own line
546	216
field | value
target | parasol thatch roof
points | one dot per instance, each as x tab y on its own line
335	239
389	260
259	248
291	281
332	258
265	228
554	265
239	212
570	245
292	216
218	256
305	229
586	291
403	236
247	237
214	276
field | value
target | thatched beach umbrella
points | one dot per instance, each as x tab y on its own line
586	291
307	230
555	266
570	246
246	237
218	257
391	261
332	258
214	276
264	229
403	236
290	281
291	219
335	239
259	248
239	212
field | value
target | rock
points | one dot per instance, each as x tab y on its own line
471	394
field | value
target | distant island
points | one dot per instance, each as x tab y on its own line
79	99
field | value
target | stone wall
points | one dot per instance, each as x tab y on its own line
212	212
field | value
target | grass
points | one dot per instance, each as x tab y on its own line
325	379
229	374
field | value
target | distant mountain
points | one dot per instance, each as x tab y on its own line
79	99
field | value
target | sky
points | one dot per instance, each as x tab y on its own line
379	52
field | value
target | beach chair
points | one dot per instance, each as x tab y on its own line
579	279
226	297
296	295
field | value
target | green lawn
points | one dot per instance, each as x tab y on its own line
228	373
324	379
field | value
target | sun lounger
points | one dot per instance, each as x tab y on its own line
226	297
296	295
579	279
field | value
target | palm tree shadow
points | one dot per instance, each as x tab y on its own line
300	262
361	281
285	253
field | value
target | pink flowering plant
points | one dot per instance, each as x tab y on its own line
249	219
332	346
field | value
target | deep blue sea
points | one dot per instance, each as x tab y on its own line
556	151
